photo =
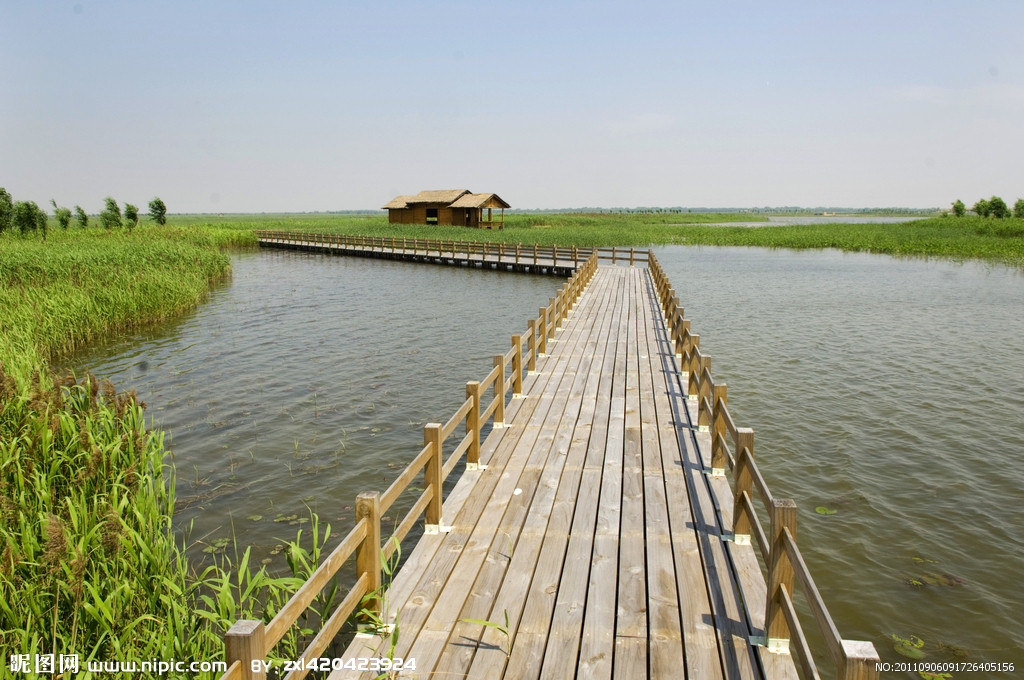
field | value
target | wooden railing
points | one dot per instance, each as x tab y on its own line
248	641
732	448
503	253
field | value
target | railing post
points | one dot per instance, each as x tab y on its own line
432	476
681	334
245	642
517	366
565	304
631	254
552	314
696	369
743	483
543	332
473	426
368	552
499	391
704	389
518	246
690	343
718	449
780	574
860	661
531	362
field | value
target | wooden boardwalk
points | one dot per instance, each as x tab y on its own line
592	530
534	259
606	527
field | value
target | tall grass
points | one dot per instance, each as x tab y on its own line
946	237
88	562
57	296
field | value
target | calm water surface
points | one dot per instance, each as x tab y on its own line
890	391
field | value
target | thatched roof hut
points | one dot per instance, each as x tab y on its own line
447	206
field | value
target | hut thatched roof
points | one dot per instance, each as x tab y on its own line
396	203
444	196
452	198
480	201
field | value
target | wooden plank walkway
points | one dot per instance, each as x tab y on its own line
545	260
594	536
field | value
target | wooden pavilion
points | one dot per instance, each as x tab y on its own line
458	207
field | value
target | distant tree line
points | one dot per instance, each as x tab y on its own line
26	217
992	207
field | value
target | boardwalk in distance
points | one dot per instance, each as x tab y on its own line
592	540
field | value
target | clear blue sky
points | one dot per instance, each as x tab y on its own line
294	106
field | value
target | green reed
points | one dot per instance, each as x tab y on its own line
88	562
946	237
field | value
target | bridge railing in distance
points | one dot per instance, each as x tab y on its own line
732	448
503	253
248	641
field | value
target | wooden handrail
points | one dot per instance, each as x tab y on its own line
503	251
301	600
331	627
854	660
456	420
405	478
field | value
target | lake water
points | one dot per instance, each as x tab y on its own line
888	390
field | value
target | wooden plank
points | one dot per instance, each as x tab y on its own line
631	659
597	647
631	612
517	579
535	626
562	651
702	659
665	640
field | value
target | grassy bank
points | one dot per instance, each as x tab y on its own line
946	237
581	229
949	237
88	563
57	295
